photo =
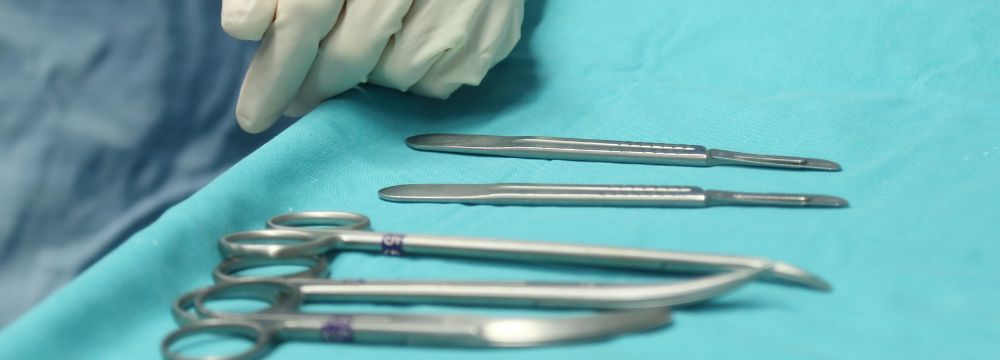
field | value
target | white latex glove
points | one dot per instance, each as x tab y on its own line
312	50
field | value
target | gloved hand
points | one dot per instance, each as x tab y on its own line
314	49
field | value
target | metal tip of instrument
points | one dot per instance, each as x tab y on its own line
417	140
826	201
412	192
725	157
710	287
439	141
444	193
715	197
798	276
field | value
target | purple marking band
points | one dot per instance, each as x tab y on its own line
337	329
392	244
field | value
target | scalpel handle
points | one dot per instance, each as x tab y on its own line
549	195
553	148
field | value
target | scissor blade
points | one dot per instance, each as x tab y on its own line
473	330
534	332
489	331
568	295
791	273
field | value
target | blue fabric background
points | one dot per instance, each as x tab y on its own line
903	94
111	111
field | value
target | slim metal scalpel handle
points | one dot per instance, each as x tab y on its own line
597	195
554	148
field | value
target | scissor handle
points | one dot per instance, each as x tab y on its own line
283	298
181	308
320	220
277	243
261	336
227	271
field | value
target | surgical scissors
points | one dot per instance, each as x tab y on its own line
537	147
281	322
596	195
296	235
290	294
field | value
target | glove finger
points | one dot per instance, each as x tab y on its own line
492	39
350	52
283	59
431	28
247	19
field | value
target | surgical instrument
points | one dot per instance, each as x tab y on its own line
291	292
287	296
284	317
597	195
607	151
295	235
426	330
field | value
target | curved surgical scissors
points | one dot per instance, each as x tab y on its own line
299	235
288	295
283	321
